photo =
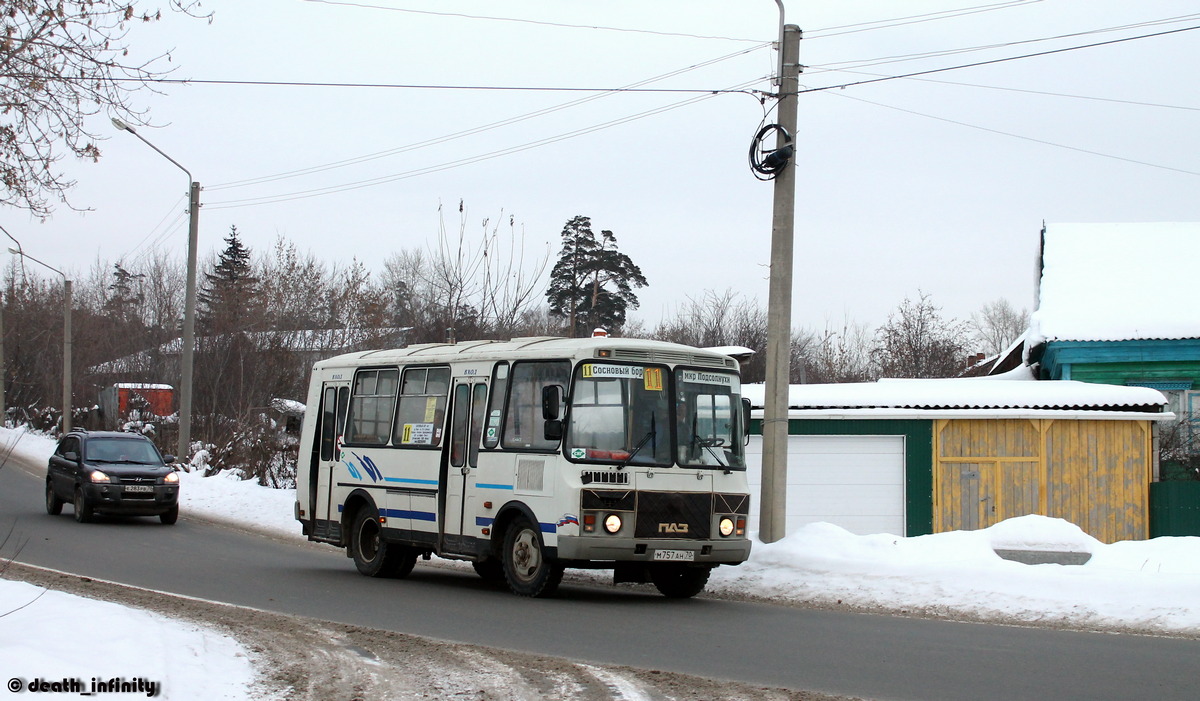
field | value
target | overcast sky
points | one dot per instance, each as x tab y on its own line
912	184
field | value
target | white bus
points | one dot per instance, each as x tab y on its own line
528	456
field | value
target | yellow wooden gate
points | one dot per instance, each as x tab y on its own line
1095	474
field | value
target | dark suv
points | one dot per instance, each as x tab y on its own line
110	472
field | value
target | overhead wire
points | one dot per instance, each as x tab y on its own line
475	130
993	61
1001	132
316	192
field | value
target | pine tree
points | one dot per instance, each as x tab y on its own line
229	296
123	299
592	283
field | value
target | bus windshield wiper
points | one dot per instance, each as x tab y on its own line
641	444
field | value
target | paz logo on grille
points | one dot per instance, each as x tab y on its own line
672	528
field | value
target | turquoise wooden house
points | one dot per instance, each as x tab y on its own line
1114	307
1109	311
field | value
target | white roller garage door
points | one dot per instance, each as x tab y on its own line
856	482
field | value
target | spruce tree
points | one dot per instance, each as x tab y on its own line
592	283
229	295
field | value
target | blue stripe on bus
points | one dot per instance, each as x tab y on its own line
408	481
493	486
401	513
414	515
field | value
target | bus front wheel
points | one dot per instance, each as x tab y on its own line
373	556
526	568
679	581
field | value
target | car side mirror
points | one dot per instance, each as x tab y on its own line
168	459
71	456
554	430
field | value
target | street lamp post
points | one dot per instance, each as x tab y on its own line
68	343
189	302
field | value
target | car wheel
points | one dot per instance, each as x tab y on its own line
373	556
526	568
83	510
169	517
53	503
679	581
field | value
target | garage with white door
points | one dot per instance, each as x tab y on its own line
856	482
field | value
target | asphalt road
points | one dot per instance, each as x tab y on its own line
872	656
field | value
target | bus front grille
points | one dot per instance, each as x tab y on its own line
673	515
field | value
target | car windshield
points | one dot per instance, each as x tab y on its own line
122	450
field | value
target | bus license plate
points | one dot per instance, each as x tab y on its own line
675	555
139	488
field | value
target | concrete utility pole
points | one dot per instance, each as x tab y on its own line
773	505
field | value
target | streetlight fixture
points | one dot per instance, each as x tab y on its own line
189	303
68	344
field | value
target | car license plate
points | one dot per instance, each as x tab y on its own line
675	555
139	488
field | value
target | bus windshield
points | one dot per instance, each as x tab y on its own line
710	430
620	414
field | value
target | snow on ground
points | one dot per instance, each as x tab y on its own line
56	642
1144	585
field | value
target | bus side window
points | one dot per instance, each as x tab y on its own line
328	423
491	435
523	425
421	411
371	406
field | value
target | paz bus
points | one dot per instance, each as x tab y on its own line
529	456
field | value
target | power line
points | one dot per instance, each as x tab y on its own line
883	60
394	86
474	130
913	19
1020	136
997	60
316	192
561	25
1138	103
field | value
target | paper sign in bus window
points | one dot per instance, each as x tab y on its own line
417	434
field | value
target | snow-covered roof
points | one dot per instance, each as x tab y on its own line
731	351
1116	282
1013	390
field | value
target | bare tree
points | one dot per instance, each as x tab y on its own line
842	355
62	62
917	342
997	326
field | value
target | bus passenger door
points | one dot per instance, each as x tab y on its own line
331	425
467	413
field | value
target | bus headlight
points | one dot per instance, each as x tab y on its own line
612	523
726	526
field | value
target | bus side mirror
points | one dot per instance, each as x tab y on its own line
552	396
745	421
552	400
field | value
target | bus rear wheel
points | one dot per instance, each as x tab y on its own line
373	556
679	581
526	568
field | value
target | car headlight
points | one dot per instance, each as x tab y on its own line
612	523
98	476
171	478
726	526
